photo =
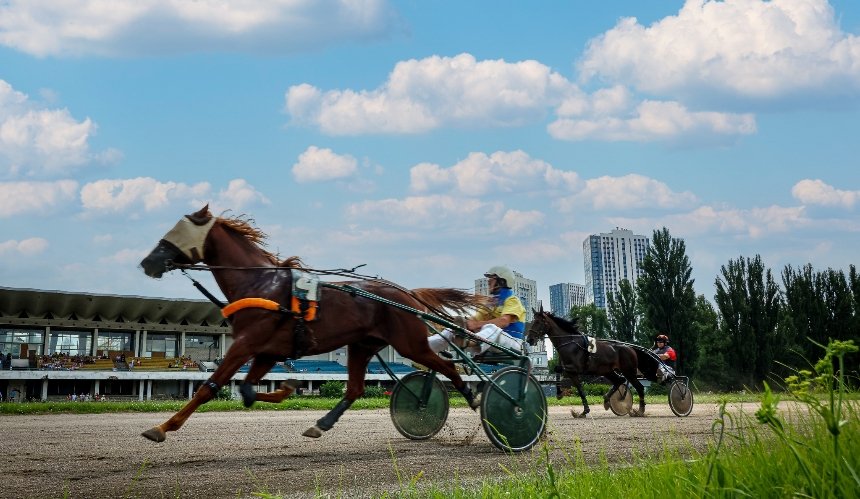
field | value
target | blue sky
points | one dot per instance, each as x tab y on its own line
427	140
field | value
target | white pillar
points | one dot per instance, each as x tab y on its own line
95	342
182	343
142	344
136	346
44	389
149	389
222	345
98	386
190	388
141	390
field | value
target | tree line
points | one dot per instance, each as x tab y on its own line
753	330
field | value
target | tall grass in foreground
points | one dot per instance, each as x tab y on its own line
810	450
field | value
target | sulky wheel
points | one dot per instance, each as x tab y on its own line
680	398
621	402
419	405
513	427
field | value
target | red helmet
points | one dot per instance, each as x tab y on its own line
663	338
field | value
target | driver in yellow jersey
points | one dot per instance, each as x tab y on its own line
502	325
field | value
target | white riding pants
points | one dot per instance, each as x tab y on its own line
489	332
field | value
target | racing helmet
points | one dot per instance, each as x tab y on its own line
663	338
502	273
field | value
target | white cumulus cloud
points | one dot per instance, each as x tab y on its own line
18	198
238	194
652	121
500	172
421	95
320	164
518	223
119	195
26	247
747	48
427	211
40	142
817	192
632	191
131	27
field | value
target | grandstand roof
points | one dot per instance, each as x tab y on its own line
40	304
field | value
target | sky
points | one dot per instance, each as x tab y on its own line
426	140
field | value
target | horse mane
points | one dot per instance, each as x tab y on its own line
244	227
569	326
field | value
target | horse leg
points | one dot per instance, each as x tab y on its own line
617	380
578	384
640	392
446	368
236	356
259	368
358	356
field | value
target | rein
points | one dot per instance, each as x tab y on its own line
338	272
349	273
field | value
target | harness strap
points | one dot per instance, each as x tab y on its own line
250	303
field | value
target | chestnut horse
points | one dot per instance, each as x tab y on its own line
233	251
617	361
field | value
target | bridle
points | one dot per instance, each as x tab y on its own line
545	329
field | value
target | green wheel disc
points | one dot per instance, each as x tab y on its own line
513	427
419	405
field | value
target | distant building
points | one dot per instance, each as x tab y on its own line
610	258
524	288
564	296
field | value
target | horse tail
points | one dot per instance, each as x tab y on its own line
450	302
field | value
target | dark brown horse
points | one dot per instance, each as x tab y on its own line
233	250
616	361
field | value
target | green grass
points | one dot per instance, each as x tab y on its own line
299	403
811	449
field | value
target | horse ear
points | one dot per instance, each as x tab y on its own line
202	216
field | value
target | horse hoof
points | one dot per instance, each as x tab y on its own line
313	432
154	434
574	413
605	404
584	413
476	402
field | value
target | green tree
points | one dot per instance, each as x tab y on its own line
821	306
591	320
711	366
622	312
749	304
666	297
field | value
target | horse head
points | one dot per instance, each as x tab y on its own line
184	243
539	328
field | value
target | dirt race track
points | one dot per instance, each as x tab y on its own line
232	454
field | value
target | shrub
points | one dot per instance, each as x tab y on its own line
373	391
224	393
332	389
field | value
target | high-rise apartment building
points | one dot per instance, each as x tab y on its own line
564	296
610	258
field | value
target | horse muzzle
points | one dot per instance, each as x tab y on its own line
160	260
